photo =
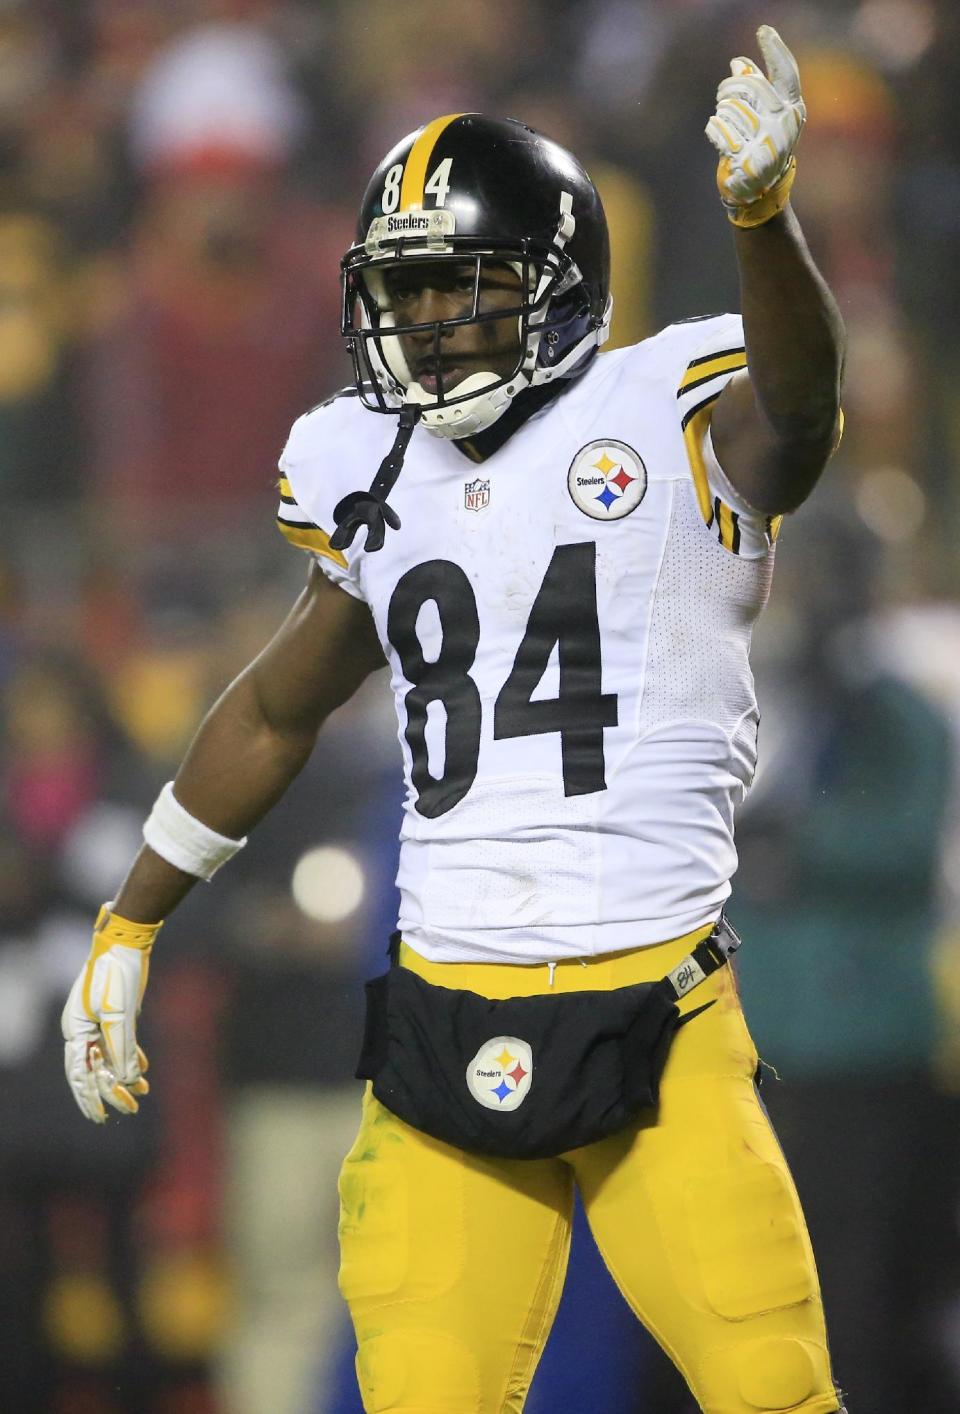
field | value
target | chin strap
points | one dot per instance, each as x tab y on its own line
369	508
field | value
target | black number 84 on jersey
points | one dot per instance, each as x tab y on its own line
564	614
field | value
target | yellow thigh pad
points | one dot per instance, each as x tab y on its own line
452	1268
698	1220
747	1239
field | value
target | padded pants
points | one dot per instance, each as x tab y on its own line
452	1264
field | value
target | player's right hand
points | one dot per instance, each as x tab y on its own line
101	1057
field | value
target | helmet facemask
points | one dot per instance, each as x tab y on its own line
549	310
427	363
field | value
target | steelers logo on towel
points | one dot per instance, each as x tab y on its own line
500	1074
607	480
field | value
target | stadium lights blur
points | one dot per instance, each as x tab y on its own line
897	33
891	503
328	884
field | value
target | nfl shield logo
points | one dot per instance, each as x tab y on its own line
476	495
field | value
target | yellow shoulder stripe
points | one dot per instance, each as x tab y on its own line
311	537
703	371
415	171
286	490
693	434
773	527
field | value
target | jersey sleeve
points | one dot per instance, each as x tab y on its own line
718	354
305	514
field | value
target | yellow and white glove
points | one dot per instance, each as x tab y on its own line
755	130
101	1056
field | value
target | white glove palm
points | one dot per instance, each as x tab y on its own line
101	1057
755	130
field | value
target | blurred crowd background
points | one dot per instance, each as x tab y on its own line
178	179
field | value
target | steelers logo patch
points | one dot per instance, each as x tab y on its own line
607	480
500	1074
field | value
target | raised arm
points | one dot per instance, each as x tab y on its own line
774	427
252	744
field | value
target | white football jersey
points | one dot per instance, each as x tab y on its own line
567	625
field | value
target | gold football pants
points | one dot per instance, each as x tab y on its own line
452	1264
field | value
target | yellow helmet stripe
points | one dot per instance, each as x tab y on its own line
415	172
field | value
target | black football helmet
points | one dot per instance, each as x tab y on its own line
481	192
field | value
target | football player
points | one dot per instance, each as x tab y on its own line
561	558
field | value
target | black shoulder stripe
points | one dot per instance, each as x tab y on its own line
692	412
720	353
708	378
297	524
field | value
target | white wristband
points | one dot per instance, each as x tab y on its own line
185	842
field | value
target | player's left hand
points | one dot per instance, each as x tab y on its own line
755	130
102	1060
